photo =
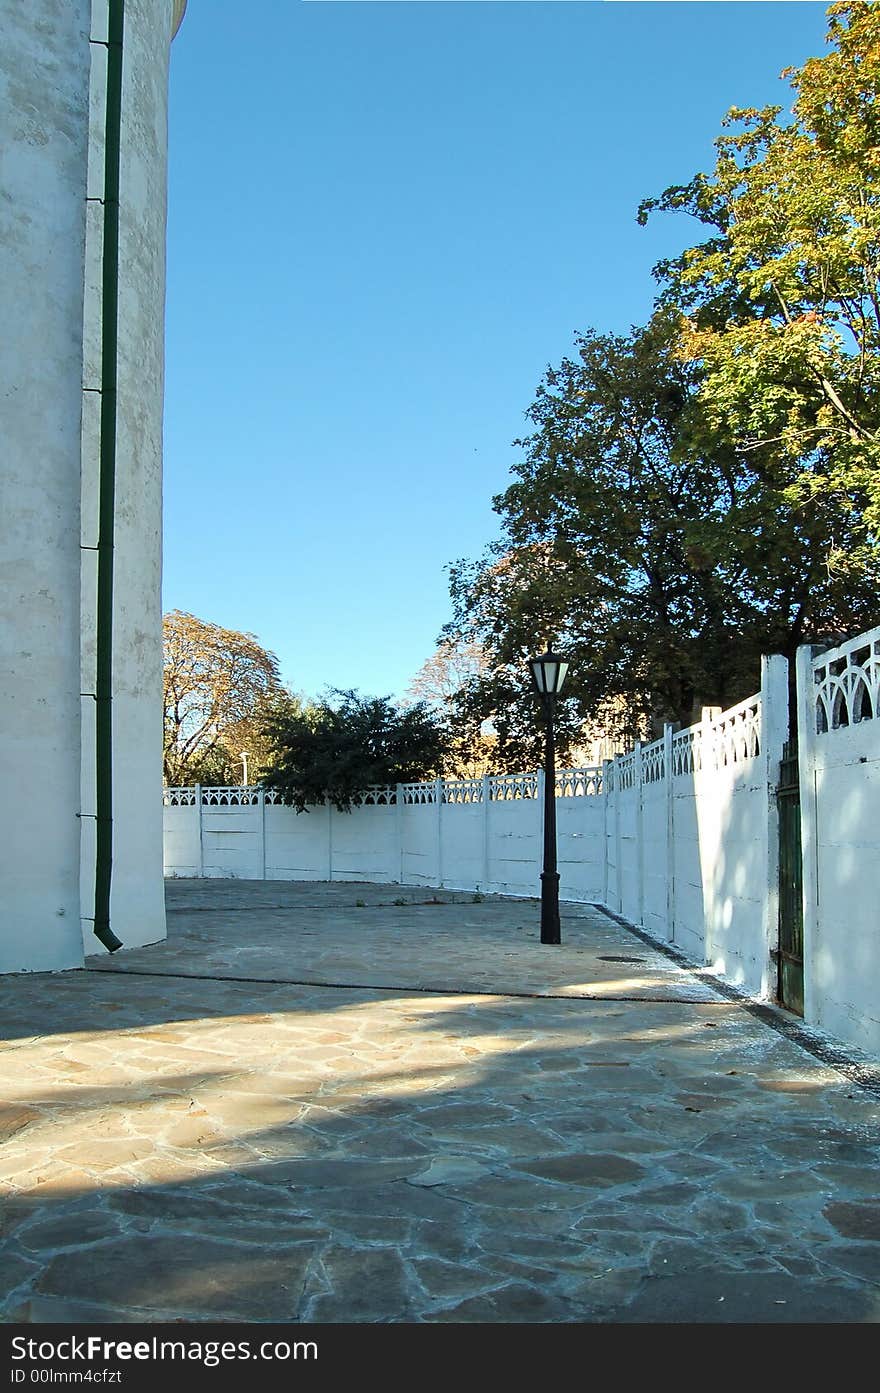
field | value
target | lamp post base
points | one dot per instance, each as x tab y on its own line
550	927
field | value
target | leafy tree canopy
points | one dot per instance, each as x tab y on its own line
219	686
337	749
781	304
443	682
450	667
708	489
658	558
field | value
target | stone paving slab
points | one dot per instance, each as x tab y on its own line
388	936
193	1148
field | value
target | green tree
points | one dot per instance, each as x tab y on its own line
780	306
335	750
645	546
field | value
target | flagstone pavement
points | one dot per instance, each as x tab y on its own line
348	1102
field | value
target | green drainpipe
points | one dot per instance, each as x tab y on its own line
107	485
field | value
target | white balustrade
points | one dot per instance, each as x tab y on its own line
847	683
462	790
653	762
579	783
507	788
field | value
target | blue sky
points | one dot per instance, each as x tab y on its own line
385	221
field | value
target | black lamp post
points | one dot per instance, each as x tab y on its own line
548	675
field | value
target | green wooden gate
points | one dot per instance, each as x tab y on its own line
790	953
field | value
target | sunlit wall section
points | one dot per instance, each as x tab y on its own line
839	738
53	270
44	75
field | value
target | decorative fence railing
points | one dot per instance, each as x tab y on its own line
847	683
219	796
495	788
727	739
846	691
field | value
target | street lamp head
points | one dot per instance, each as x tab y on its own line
548	673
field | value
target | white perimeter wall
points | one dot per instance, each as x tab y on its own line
490	840
839	740
692	835
680	837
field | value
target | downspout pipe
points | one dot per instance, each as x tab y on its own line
107	484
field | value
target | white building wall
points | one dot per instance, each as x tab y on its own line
53	67
137	910
44	80
137	906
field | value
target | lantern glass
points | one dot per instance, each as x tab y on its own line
548	673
